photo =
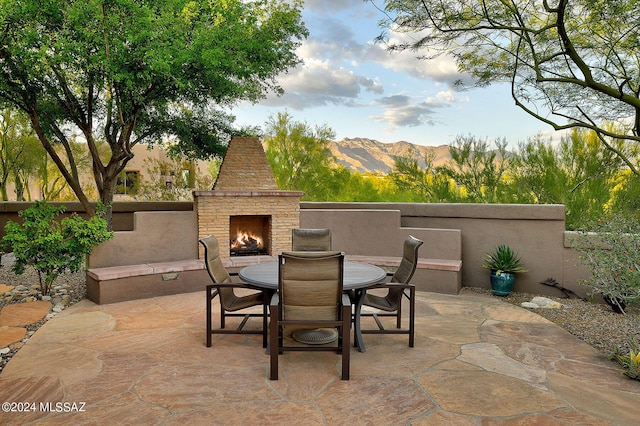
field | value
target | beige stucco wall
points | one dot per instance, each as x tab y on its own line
537	232
158	237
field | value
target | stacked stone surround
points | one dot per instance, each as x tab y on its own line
246	186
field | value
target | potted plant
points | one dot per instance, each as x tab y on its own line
504	263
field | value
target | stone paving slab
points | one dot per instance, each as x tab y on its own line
9	335
21	314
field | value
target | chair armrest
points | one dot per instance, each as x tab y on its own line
275	299
346	300
392	285
229	285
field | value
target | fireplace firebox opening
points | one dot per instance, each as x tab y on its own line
249	235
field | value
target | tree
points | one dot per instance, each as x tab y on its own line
570	63
577	173
478	169
52	246
132	71
15	136
300	156
430	184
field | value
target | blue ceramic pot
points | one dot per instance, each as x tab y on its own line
501	284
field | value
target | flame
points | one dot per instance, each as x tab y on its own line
247	240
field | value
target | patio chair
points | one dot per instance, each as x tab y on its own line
399	286
230	302
310	296
303	239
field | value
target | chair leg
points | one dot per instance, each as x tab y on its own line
274	343
412	315
208	310
346	341
265	330
399	314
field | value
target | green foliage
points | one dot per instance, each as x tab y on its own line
630	361
52	246
503	259
300	156
19	152
570	64
610	248
131	71
478	168
578	173
430	184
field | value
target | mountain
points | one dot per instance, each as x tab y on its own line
371	156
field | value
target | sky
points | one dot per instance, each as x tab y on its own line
360	90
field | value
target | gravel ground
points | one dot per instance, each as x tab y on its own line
596	324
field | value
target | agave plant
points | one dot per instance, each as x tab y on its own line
629	361
503	259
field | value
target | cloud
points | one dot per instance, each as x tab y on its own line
407	111
343	66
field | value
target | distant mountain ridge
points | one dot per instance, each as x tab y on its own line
370	156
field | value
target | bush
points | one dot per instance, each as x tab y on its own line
52	246
629	361
611	252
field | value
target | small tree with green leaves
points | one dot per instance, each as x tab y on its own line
610	249
50	245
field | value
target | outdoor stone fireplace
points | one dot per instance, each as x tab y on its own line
245	210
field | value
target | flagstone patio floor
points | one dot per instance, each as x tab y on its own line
476	360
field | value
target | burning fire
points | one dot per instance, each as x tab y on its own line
246	241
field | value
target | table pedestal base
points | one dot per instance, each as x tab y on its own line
319	336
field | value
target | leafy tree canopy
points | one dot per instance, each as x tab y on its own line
131	71
570	63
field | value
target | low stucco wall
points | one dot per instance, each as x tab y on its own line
537	232
122	211
158	237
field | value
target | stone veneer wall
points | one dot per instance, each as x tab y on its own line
246	186
245	167
215	207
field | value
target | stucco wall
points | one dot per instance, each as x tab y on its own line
537	232
158	237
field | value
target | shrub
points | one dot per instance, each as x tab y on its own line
611	252
629	361
52	246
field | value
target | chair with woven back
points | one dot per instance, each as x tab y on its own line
230	302
399	287
308	239
310	296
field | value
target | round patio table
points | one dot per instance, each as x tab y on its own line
357	276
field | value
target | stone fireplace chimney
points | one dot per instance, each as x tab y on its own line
245	194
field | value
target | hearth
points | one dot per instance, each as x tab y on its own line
249	235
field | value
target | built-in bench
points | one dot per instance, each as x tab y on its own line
438	275
113	284
161	257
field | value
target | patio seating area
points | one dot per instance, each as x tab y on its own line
476	360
